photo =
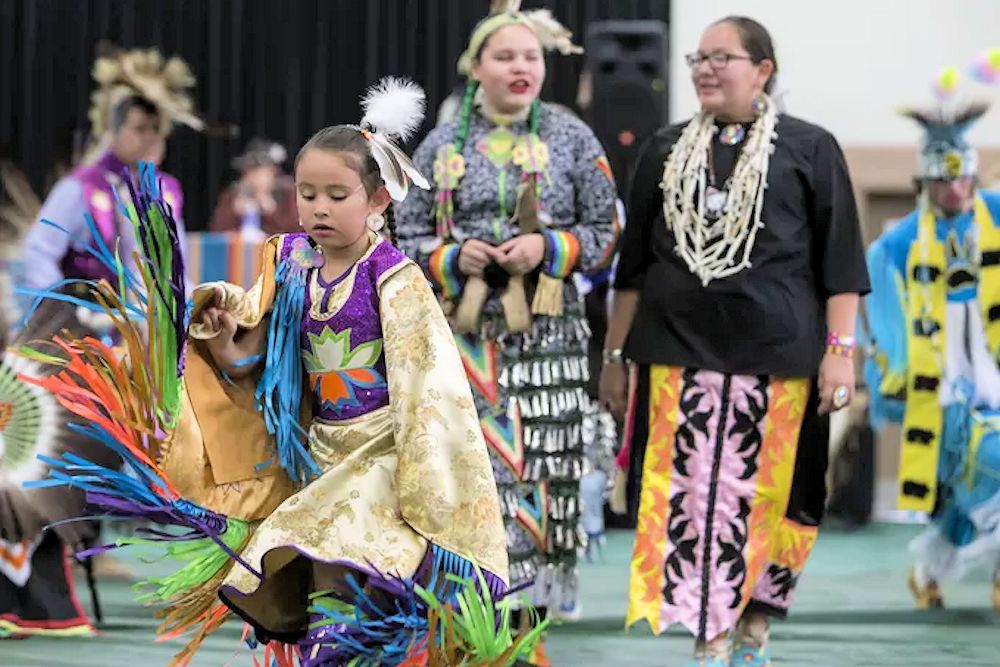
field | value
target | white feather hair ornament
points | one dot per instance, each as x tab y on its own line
394	109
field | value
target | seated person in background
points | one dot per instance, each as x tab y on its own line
262	202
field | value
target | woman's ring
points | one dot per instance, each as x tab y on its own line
840	397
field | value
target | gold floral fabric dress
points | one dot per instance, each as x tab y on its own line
406	481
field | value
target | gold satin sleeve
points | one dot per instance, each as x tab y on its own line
445	483
248	307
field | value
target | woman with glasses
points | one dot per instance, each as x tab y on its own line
736	297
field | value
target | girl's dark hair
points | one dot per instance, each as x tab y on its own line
757	41
348	140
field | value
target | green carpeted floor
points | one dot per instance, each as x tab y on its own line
853	610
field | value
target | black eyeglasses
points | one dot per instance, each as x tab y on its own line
716	59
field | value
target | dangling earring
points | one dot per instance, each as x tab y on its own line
759	105
300	223
375	221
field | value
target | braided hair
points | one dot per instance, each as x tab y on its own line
445	206
465	115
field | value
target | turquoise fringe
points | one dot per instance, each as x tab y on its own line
279	392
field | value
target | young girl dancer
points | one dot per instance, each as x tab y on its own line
340	366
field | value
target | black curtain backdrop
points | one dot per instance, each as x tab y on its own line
280	69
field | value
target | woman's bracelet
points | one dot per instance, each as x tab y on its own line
615	356
840	345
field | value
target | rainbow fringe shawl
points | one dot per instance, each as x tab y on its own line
129	399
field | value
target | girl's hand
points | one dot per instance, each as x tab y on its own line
220	322
222	346
235	346
212	309
231	345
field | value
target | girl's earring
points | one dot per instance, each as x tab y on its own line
375	221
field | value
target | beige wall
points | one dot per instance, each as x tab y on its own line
849	65
883	181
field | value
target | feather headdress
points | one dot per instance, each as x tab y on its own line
121	74
946	153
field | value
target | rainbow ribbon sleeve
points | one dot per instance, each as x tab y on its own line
562	252
443	265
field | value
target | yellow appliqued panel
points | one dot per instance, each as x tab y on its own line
793	543
923	420
788	399
647	575
989	273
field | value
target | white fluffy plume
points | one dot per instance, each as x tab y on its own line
394	107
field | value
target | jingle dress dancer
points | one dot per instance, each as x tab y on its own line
522	198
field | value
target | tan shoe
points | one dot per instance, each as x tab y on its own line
927	597
996	595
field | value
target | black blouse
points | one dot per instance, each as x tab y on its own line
769	319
